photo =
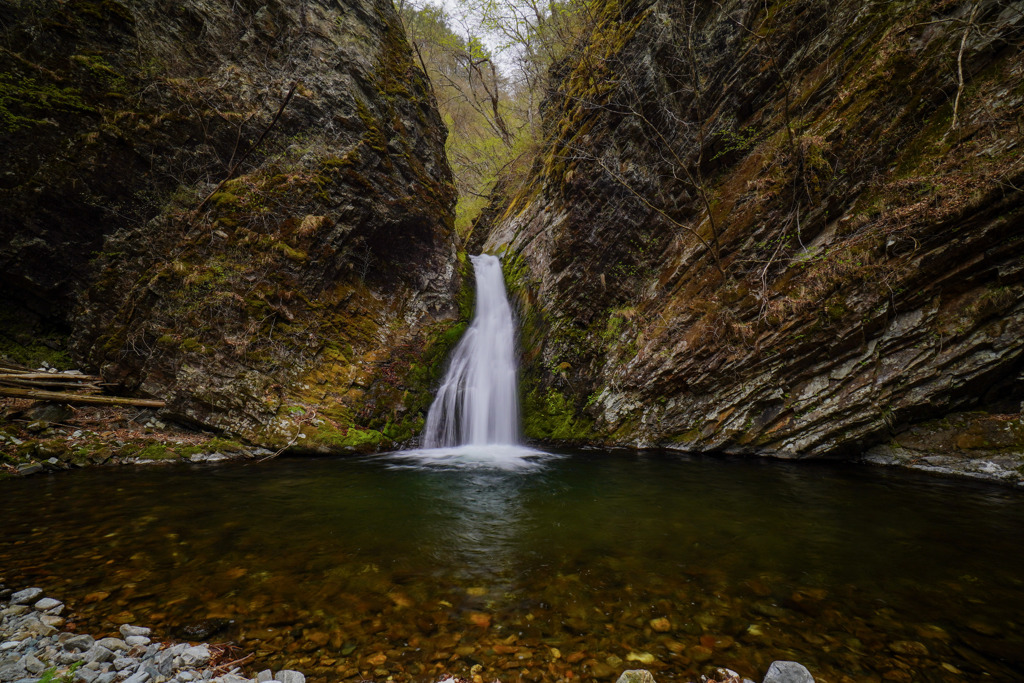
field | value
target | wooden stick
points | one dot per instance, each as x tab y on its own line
50	375
38	384
259	141
64	397
243	660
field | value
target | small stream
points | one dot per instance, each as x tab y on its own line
540	568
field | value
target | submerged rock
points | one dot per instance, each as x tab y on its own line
201	630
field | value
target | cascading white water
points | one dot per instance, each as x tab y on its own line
478	402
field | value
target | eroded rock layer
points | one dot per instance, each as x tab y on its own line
241	207
788	227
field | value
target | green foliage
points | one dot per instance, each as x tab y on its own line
101	72
26	102
487	112
741	141
155	451
50	675
549	414
349	439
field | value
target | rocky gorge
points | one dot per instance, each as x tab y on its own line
782	228
763	229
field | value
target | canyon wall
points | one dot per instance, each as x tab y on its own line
789	228
241	207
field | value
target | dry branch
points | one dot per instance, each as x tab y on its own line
259	141
65	397
51	381
37	384
64	378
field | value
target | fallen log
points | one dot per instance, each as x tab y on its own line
55	376
13	381
63	397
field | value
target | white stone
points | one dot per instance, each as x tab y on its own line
636	676
128	630
232	678
122	663
47	604
113	644
27	596
197	655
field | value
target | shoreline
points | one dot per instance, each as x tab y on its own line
90	436
38	438
38	643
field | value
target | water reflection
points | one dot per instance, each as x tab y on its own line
478	491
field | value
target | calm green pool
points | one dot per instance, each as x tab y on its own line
549	567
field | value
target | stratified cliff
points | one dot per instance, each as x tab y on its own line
241	207
790	227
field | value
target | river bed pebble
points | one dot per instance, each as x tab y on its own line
34	649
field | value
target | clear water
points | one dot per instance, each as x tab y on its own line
477	402
540	567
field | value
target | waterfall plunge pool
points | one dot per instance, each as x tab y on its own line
539	566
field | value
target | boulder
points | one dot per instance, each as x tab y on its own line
788	672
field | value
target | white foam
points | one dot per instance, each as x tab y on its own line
502	457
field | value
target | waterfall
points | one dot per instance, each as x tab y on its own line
478	402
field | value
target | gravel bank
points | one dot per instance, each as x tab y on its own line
34	647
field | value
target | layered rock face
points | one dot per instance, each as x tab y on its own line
241	207
789	228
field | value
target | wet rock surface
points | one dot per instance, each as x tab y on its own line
978	445
795	250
